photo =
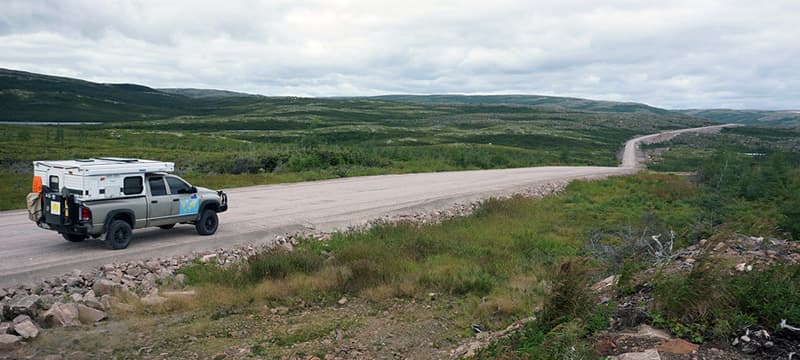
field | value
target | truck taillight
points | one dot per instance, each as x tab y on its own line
85	214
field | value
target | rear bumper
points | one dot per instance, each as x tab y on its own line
79	229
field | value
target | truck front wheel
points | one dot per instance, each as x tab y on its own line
119	234
208	222
74	237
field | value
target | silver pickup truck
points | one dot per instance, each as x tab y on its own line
141	200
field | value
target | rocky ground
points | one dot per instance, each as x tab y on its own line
740	253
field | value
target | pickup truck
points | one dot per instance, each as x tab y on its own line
150	199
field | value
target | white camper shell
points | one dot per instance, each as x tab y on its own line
100	178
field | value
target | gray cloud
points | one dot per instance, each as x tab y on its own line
676	54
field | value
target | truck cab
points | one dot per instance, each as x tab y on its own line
109	197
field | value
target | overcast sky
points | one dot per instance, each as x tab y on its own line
675	54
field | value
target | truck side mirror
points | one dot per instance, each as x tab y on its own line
192	190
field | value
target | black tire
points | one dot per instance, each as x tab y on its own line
167	227
119	234
74	237
208	222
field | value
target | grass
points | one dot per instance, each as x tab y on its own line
498	261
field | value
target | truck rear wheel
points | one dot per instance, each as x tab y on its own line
74	237
119	234
208	222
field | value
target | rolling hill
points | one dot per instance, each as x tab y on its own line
750	117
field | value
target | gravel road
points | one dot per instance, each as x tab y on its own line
258	213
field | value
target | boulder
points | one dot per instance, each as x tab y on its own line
208	258
6	327
89	315
23	304
20	319
606	283
27	329
91	301
76	297
106	287
60	315
9	342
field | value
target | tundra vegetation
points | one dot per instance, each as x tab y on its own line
511	259
291	139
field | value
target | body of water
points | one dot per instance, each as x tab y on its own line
47	123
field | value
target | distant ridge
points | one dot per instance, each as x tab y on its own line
750	117
31	97
205	93
529	100
26	96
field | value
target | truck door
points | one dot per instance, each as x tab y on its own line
188	202
160	202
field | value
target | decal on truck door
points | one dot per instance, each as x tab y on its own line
190	206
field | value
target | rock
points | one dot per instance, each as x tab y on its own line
135	271
106	287
60	315
20	319
649	354
27	329
342	301
745	338
76	297
208	258
105	301
606	283
9	342
152	265
220	356
91	300
6	327
3	293
23	304
678	346
645	330
153	299
89	315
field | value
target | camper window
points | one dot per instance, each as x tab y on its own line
132	185
53	183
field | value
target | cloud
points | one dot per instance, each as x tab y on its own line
675	54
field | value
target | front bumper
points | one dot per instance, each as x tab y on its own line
223	201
